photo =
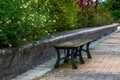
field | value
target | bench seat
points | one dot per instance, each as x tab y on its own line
72	44
73	48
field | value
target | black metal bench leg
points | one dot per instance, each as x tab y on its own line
58	59
67	56
80	55
88	52
72	60
75	54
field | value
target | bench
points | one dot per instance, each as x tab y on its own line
73	49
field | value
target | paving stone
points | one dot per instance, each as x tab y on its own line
117	77
94	76
109	76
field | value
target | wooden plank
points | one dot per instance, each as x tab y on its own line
73	43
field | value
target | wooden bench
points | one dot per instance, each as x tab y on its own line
73	48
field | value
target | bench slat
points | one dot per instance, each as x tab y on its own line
73	44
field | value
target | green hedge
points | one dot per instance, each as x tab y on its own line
114	7
23	21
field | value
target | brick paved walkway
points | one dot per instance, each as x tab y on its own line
104	65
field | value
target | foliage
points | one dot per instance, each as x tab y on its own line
19	22
65	12
114	7
93	16
23	21
102	16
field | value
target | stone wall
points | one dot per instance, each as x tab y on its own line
17	61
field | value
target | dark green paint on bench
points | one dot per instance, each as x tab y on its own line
73	49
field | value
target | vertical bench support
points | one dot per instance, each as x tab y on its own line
72	59
74	49
67	56
87	50
58	58
80	55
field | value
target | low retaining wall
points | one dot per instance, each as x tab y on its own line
14	62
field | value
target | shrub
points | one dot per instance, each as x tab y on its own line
102	16
23	21
65	13
114	7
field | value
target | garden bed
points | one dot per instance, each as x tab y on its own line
17	61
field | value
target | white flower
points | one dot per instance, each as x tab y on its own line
8	21
32	15
44	20
18	22
23	6
10	45
0	22
23	18
46	31
54	20
24	39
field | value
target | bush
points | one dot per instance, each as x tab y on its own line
102	16
114	7
23	21
19	22
65	13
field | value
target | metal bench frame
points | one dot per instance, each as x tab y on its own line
72	52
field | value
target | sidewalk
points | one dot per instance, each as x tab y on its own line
104	65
